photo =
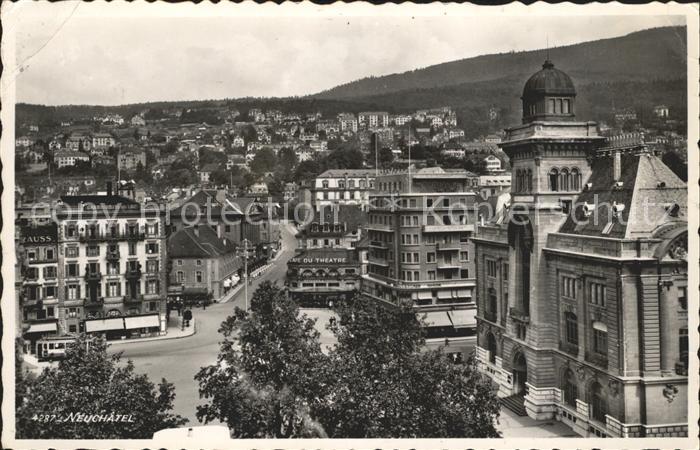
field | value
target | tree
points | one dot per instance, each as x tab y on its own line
307	170
91	382
378	382
264	374
345	158
386	157
264	161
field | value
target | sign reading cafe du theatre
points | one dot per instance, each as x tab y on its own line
318	260
46	234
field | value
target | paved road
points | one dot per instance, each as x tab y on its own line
178	360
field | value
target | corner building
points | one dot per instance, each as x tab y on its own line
582	284
420	251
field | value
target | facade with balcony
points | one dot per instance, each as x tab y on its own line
582	280
111	265
420	250
37	247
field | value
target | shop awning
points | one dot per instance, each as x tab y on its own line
42	327
116	323
463	318
437	319
425	295
464	293
600	326
149	321
444	294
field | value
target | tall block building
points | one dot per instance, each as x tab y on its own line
582	284
420	249
111	266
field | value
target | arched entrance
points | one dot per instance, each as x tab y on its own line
491	347
519	374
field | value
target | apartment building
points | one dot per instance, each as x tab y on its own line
373	119
111	266
336	187
420	250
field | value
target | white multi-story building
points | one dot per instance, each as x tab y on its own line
373	119
66	158
111	266
348	122
343	187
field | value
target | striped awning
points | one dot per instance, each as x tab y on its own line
437	319
444	294
425	295
462	293
135	322
463	318
93	325
42	327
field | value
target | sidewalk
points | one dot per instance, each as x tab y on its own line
511	425
235	290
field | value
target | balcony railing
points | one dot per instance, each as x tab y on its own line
94	302
138	298
597	359
93	276
519	315
448	247
119	236
448	265
378	244
448	228
378	261
491	316
133	273
568	347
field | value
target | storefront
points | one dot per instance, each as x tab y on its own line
110	328
142	326
37	331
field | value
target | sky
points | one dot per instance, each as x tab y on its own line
89	53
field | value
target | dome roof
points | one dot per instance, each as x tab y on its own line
549	81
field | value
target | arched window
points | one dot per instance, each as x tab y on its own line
324	183
575	179
598	407
307	273
554	180
564	180
569	388
529	180
491	347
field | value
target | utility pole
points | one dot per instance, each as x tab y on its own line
245	271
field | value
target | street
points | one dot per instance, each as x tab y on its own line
178	360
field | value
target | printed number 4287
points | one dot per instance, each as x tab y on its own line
44	417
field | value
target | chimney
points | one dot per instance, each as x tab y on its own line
109	188
617	166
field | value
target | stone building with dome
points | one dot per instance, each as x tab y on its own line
582	281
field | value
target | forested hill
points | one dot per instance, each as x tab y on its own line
653	54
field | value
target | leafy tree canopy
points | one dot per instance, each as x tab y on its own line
88	382
272	380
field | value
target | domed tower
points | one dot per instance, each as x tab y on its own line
548	95
550	155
